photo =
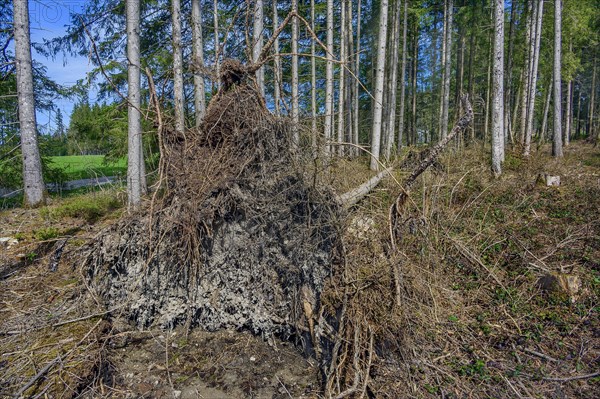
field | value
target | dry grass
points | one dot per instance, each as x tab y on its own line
472	320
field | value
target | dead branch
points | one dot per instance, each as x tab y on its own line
353	196
397	207
575	377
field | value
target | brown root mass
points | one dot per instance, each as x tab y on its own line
239	238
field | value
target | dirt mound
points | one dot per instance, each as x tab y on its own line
239	238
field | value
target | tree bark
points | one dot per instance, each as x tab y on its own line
34	189
177	68
257	43
544	130
403	76
313	76
329	79
379	81
341	85
277	60
295	106
533	78
217	42
557	145
356	85
415	67
198	56
498	89
527	67
448	65
135	175
393	82
592	105
508	128
569	113
443	69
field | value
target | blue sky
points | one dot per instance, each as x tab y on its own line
47	19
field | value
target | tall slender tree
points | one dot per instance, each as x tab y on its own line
295	102
557	145
536	39
177	67
276	63
403	75
341	85
198	56
379	82
135	171
257	43
393	80
328	126
447	70
498	89
313	78
32	166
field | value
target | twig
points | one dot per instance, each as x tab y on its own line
539	354
283	385
575	377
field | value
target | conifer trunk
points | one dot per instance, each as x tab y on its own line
33	183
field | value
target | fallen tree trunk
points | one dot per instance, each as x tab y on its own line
353	196
395	212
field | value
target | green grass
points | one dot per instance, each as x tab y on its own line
88	166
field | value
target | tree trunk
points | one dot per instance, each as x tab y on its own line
217	42
198	56
342	82
415	70
329	79
443	69
557	146
569	113
177	68
498	89
509	72
356	85
578	129
533	78
135	176
544	130
35	191
295	106
448	65
313	76
277	60
403	76
592	105
349	77
393	82
257	44
379	81
526	80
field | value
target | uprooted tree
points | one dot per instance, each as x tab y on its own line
238	235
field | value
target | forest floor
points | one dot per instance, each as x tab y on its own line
499	296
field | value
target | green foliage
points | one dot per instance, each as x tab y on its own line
89	207
46	233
